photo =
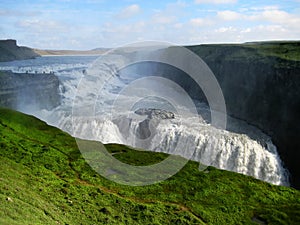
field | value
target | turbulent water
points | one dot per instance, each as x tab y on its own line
89	110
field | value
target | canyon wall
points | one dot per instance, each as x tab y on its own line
260	83
29	92
261	88
9	51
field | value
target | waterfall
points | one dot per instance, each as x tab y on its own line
210	146
248	151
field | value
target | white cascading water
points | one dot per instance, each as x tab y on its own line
215	147
234	151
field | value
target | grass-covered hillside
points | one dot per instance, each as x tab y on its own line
284	50
44	180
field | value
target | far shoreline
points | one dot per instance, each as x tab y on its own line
71	55
70	52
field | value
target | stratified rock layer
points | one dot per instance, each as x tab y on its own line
29	92
260	83
9	51
155	113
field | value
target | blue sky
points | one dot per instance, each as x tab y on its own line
79	24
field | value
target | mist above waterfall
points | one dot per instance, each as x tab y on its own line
241	148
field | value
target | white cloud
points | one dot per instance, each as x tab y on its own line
41	26
215	1
276	17
200	22
263	8
18	13
229	15
170	14
263	15
258	24
178	25
226	29
267	32
246	30
129	11
161	19
179	22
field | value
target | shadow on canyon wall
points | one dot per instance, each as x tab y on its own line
260	84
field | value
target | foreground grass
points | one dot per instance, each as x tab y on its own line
45	180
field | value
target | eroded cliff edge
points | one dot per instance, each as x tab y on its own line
260	83
9	51
262	88
29	92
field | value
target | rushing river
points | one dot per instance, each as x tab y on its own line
248	150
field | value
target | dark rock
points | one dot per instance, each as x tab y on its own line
25	91
143	131
9	51
260	88
265	93
155	113
147	127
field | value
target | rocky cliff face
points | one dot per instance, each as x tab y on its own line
9	51
29	92
153	115
264	91
260	84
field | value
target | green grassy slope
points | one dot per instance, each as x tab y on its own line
284	50
44	180
289	50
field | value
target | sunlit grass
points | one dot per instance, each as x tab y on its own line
45	180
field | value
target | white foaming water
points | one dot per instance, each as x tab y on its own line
255	156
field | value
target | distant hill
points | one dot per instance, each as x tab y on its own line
45	180
9	51
97	51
